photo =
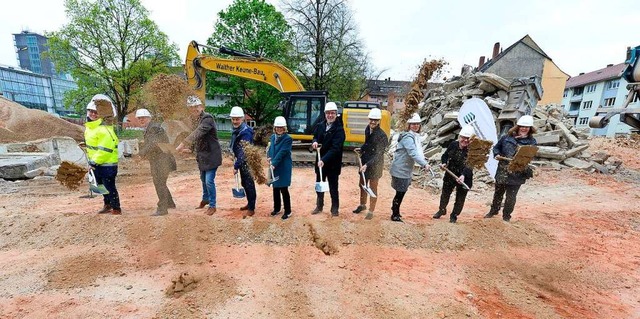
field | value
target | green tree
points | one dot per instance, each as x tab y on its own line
333	57
256	27
110	47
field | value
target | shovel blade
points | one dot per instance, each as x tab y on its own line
322	187
369	191
98	189
238	192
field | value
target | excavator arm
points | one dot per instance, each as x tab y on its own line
241	65
631	74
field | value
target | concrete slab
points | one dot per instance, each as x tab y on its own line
15	165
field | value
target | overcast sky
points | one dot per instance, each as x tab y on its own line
579	35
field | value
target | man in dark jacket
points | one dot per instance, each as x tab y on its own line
204	140
330	134
243	132
454	159
161	163
372	157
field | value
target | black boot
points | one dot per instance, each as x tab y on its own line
319	203
490	214
396	218
359	209
439	213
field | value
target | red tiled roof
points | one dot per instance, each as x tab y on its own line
596	76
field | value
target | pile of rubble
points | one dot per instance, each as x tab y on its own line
561	145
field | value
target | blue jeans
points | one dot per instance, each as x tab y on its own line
208	179
106	175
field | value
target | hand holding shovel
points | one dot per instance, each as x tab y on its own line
271	178
321	187
444	167
364	186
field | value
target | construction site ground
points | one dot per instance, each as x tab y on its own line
572	250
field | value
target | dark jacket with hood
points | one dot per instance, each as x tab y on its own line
507	146
375	144
456	161
205	143
242	133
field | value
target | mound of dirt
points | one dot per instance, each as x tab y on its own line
20	124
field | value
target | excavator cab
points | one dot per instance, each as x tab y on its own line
303	111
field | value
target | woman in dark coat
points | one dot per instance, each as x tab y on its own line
510	182
372	157
279	154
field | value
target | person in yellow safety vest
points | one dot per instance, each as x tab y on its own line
102	153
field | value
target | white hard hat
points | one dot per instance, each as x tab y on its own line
143	113
280	121
101	97
375	114
467	131
330	106
414	119
91	106
525	120
236	111
193	100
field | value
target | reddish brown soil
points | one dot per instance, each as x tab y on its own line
572	250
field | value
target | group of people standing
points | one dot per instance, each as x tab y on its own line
328	141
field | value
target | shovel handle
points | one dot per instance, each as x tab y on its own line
502	158
318	152
454	176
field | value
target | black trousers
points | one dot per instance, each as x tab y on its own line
246	180
333	191
284	191
509	202
397	201
461	194
106	175
160	174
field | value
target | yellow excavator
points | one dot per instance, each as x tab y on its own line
302	109
629	116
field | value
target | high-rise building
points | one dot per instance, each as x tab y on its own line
29	47
36	83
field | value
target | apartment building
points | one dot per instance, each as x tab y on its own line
596	93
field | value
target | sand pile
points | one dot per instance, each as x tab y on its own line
20	124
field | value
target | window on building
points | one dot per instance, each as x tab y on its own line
578	90
583	121
613	84
591	88
609	102
566	93
586	105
